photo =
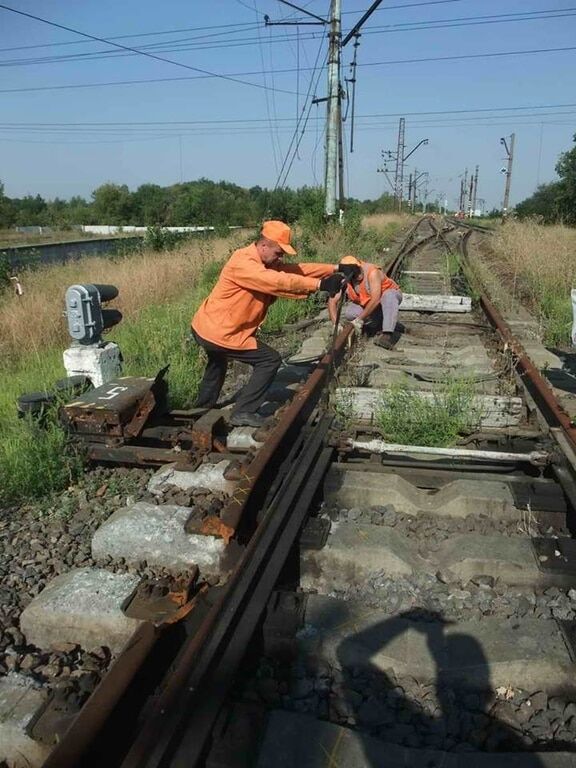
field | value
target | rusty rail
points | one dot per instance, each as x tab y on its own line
531	377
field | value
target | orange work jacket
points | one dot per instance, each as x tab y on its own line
360	294
238	303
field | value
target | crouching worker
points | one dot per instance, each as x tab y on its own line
226	323
373	300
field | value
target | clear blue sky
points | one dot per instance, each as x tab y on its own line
229	37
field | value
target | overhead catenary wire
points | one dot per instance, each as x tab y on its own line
134	50
179	30
234	76
295	141
189	44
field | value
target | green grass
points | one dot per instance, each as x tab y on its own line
556	309
404	417
35	460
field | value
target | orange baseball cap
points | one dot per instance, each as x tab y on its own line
350	260
280	233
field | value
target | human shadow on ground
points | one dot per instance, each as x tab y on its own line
453	713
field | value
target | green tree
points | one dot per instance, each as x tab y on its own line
150	205
113	204
543	203
566	169
7	212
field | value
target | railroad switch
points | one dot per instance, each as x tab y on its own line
127	421
162	601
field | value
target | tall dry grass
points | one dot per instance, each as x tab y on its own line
539	266
33	322
383	221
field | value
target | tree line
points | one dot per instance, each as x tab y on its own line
555	202
199	203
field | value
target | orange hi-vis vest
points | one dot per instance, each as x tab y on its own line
360	294
238	303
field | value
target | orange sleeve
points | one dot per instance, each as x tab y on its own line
254	277
310	270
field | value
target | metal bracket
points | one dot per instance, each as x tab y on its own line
556	556
568	629
314	534
161	601
284	617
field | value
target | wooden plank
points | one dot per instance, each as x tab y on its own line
413	302
488	411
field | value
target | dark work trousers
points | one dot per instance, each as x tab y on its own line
264	360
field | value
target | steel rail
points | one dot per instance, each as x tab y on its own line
178	731
530	376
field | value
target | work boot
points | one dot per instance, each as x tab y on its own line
384	340
246	419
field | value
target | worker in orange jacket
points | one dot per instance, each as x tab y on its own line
225	325
373	300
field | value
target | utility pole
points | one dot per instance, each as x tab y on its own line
508	172
417	176
333	122
399	170
465	192
400	158
475	193
334	166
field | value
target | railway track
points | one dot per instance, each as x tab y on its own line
328	594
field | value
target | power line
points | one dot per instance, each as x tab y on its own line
134	50
235	121
233	77
126	37
178	30
188	44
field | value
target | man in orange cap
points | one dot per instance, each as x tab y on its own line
374	300
225	325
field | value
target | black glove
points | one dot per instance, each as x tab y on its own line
351	271
332	284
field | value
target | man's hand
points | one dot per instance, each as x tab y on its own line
357	325
332	284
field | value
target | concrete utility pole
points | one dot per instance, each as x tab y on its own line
508	172
400	158
475	191
334	166
333	114
399	170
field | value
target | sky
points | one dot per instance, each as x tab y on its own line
223	95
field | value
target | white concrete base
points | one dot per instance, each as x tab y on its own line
429	303
457	499
209	476
486	411
292	739
99	364
83	607
242	438
155	534
525	653
20	700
